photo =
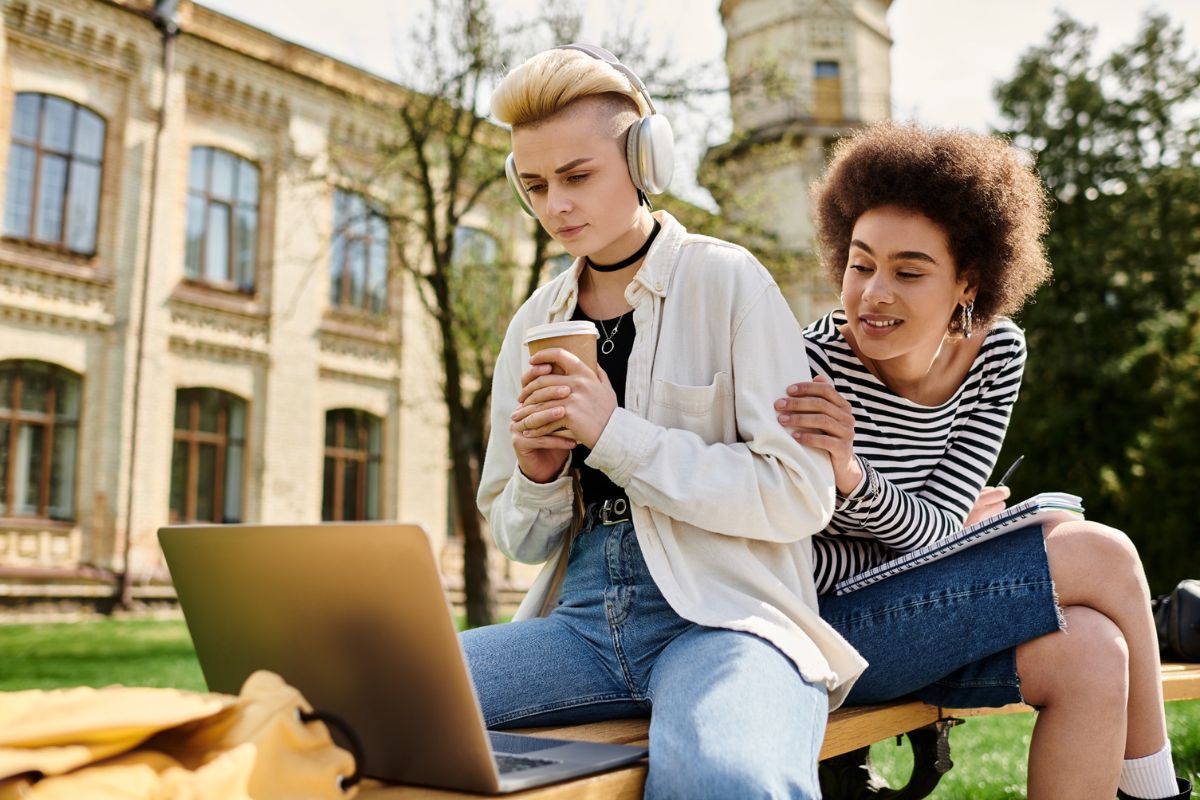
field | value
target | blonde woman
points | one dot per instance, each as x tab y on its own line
688	594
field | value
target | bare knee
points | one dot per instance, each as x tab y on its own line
1087	558
1088	662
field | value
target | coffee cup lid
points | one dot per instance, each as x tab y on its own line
568	328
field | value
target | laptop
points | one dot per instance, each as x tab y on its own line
355	617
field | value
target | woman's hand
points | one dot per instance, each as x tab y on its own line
990	503
540	458
819	417
581	412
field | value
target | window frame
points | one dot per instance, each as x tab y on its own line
341	244
489	285
360	458
233	204
49	420
70	157
194	438
829	103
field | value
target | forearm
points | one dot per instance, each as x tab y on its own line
758	483
772	491
900	519
528	519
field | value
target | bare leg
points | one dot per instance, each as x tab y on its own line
1078	678
1098	567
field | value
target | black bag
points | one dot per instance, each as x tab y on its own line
1177	617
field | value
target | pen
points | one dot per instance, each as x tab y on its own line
1008	472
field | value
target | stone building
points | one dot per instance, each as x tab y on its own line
829	61
198	317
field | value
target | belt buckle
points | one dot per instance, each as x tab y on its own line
613	511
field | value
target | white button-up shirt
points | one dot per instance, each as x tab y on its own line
724	501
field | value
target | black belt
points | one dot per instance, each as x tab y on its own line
607	512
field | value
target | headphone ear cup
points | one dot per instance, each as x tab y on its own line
518	188
650	151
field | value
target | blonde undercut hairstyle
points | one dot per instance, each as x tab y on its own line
552	80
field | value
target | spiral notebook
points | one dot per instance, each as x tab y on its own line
1028	512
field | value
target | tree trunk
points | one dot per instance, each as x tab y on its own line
477	581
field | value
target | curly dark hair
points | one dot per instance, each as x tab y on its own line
980	189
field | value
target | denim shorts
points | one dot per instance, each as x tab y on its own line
946	633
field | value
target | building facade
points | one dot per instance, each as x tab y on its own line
199	321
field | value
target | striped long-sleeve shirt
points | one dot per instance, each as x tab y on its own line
923	465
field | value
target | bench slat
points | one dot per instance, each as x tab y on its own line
1181	681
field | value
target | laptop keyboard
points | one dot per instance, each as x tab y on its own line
508	763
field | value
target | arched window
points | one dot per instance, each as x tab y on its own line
54	170
39	434
222	219
208	461
353	480
358	264
480	283
474	247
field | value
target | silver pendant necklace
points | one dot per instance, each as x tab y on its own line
607	345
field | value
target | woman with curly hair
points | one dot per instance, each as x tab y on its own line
935	238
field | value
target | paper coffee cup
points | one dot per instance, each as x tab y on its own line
576	336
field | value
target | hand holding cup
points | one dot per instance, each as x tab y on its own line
541	443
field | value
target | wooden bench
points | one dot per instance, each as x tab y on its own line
849	733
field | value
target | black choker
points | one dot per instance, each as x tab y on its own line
641	251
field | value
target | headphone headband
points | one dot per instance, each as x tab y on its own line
600	54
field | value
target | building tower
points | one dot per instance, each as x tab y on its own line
802	73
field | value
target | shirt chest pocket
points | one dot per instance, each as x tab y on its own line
707	411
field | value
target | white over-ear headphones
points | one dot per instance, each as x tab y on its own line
649	150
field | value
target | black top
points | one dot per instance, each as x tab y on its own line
595	484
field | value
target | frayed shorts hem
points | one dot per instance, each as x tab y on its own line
946	633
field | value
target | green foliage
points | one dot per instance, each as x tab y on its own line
990	754
1112	389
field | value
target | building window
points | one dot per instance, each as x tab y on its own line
827	92
39	435
208	461
474	248
358	269
54	169
353	480
480	284
222	219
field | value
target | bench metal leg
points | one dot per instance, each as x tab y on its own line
850	776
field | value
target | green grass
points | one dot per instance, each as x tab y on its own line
128	652
989	753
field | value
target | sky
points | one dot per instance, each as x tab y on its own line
947	55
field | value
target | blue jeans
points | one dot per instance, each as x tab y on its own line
947	632
730	715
